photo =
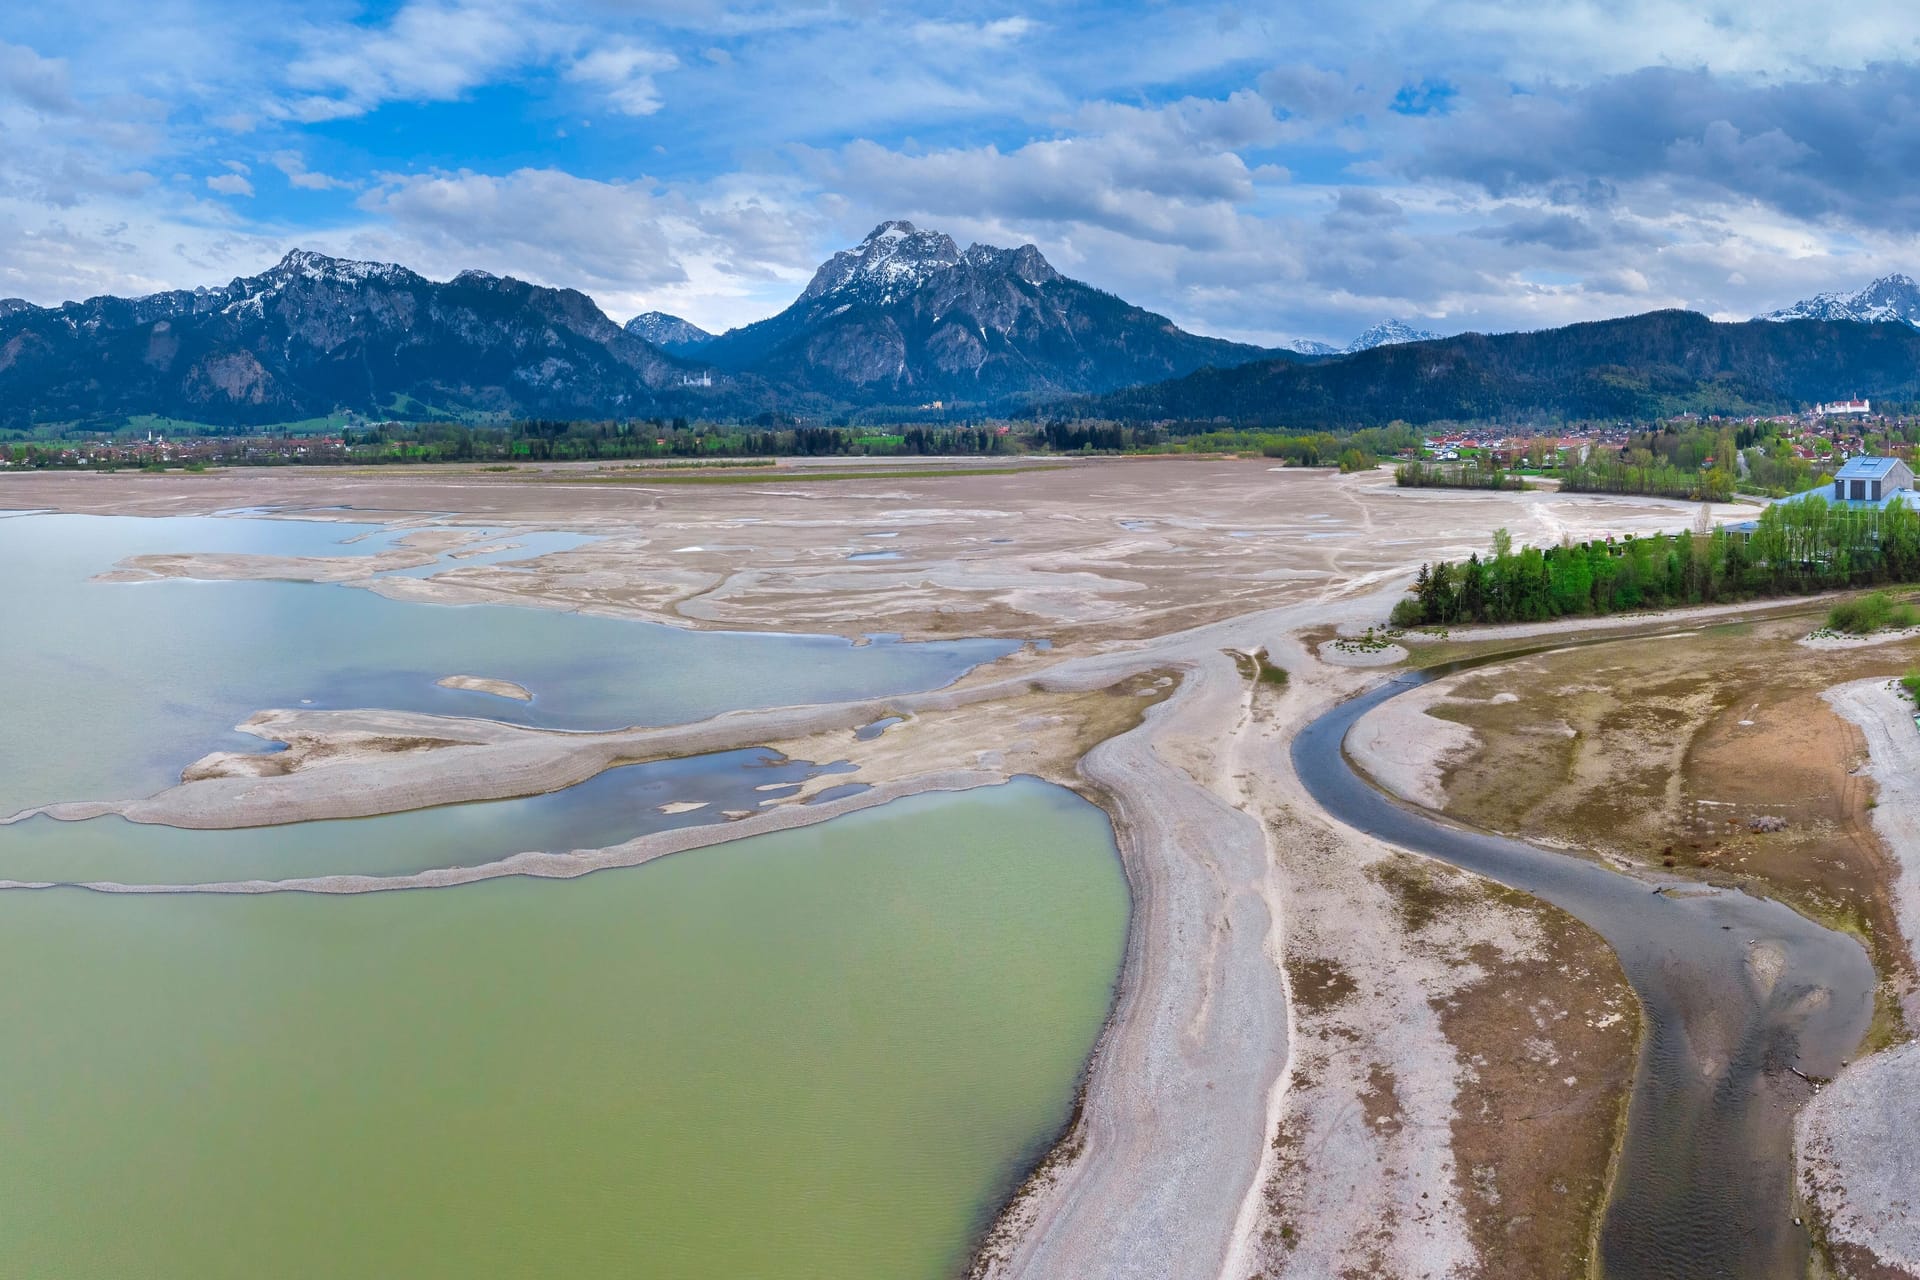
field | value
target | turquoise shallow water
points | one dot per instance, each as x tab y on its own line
111	688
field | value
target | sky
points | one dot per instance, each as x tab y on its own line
1259	172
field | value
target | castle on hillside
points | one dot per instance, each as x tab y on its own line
1843	409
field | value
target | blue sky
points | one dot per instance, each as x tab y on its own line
1256	171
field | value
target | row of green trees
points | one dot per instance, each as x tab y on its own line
1794	548
1614	473
1473	473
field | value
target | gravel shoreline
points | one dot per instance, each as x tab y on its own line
1857	1162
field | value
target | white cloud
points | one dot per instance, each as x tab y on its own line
989	35
717	256
430	51
624	72
294	166
230	184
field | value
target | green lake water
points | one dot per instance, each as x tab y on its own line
827	1052
824	1052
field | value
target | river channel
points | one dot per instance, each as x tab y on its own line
1738	992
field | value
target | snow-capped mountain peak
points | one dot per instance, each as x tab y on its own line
1386	334
305	264
895	259
1890	298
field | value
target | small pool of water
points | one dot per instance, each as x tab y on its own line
874	555
868	732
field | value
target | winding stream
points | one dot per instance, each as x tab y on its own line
1736	990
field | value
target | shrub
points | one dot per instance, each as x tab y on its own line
1911	683
1407	614
1875	611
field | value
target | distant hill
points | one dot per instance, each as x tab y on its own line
1635	367
670	333
908	316
1890	298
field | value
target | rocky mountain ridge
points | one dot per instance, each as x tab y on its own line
1890	298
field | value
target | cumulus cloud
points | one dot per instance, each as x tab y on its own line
1167	174
624	71
430	50
719	256
230	184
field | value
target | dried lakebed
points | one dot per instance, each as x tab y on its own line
1739	993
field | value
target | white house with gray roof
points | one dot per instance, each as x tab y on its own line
1872	482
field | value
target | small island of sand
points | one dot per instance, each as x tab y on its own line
482	684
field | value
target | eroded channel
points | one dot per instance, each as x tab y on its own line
1739	992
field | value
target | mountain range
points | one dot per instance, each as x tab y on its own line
315	334
1636	367
1894	297
905	318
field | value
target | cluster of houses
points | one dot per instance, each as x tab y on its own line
156	449
1509	449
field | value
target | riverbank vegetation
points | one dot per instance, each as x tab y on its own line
1875	611
1793	549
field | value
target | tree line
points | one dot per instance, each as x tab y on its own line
1794	548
